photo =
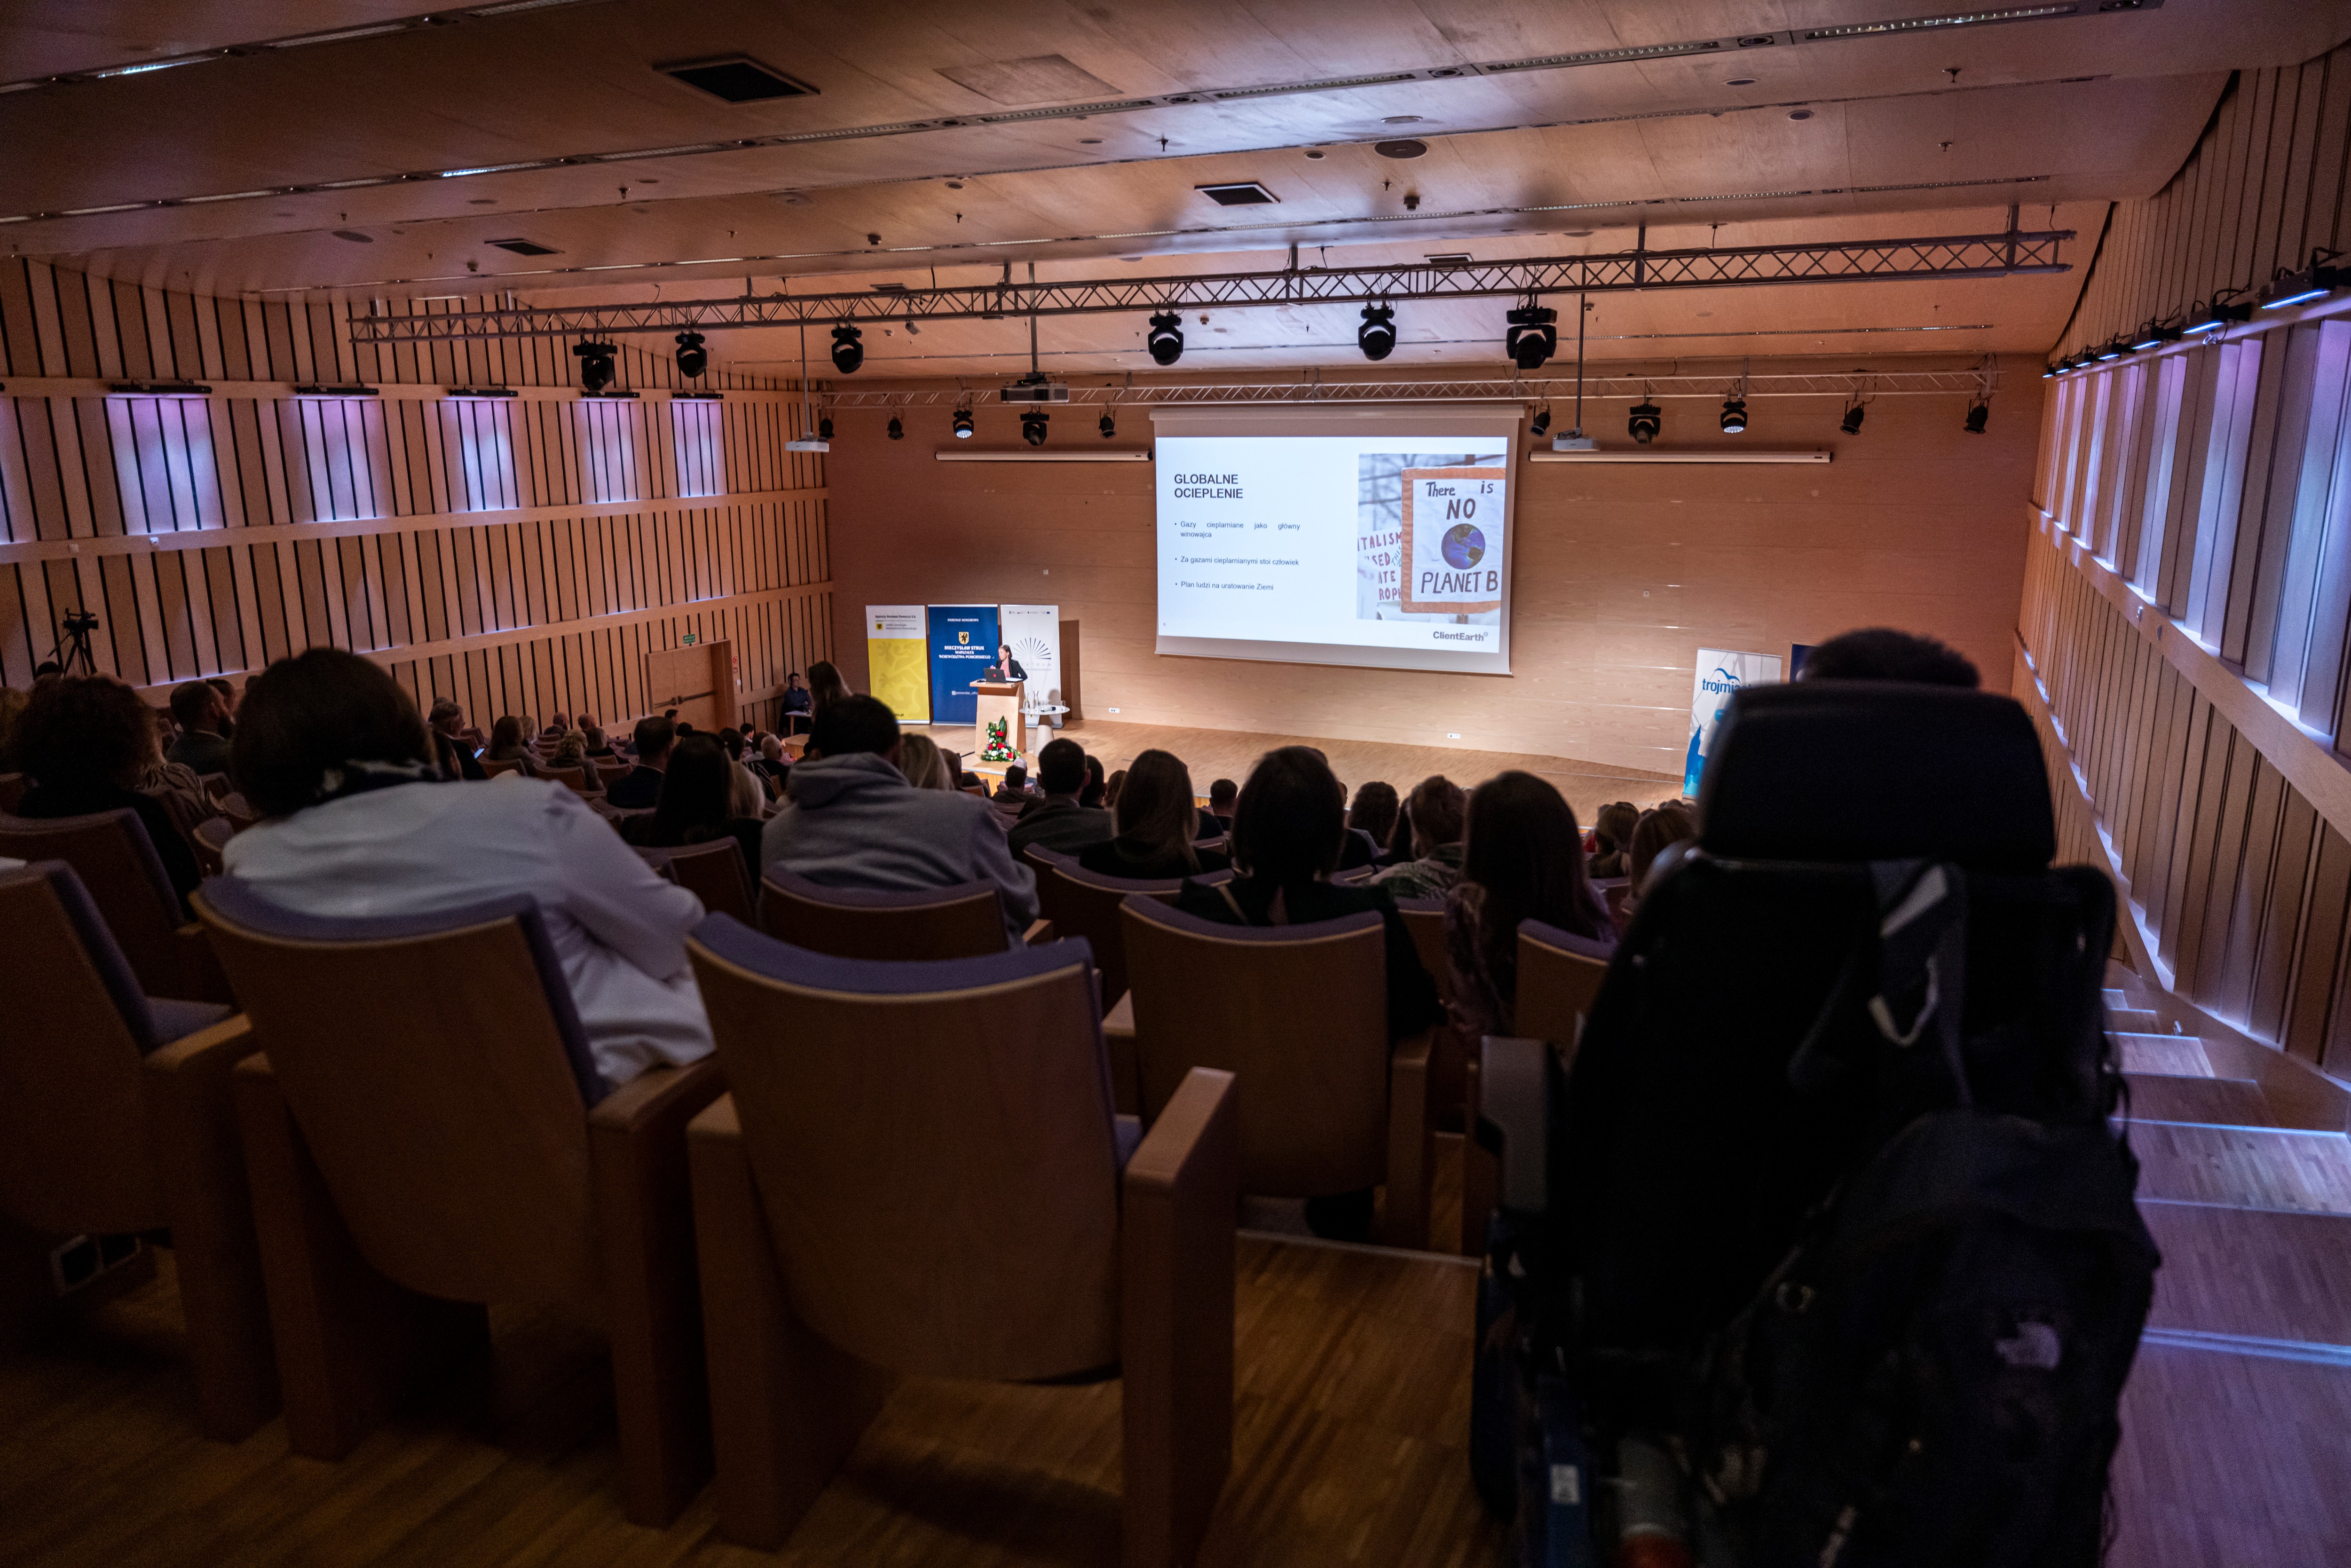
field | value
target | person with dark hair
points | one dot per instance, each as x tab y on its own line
1432	818
1522	860
331	752
825	686
1374	812
229	703
1222	795
87	741
1007	667
795	704
1157	821
506	744
1612	831
1060	821
1882	653
599	744
1014	790
852	821
1097	785
697	790
640	787
457	760
1656	832
47	670
202	716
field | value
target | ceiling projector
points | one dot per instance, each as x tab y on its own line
1035	388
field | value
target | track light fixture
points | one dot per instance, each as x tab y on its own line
2225	308
1542	425
897	428
1376	336
2316	281
1851	423
1646	422
1978	413
1532	339
1108	425
693	359
963	424
1734	415
2154	335
1167	340
595	365
848	353
1032	426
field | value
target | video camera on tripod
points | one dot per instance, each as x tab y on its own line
72	652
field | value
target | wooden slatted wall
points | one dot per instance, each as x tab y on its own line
521	555
2185	637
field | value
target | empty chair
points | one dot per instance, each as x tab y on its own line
1081	903
712	872
110	851
428	1133
116	1117
917	1171
1299	1014
959	922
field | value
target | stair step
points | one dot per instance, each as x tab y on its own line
2262	1275
2244	1167
2134	1020
2219	1102
2163	1055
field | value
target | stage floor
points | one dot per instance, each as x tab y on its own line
1213	754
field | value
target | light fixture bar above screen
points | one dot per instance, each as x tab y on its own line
1377	537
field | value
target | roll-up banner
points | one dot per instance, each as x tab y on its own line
1034	633
897	660
1719	673
962	644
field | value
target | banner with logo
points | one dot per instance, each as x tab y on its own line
1034	633
962	644
898	660
1719	673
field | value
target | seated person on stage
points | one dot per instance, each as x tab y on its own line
796	704
332	754
1432	818
1058	821
1612	832
699	801
1522	860
1221	796
1007	667
640	787
89	742
457	756
852	821
202	718
1881	653
1156	820
1014	790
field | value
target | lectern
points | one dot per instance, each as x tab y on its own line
1000	700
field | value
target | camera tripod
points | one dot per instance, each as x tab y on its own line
72	652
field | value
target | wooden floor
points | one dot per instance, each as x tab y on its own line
1213	754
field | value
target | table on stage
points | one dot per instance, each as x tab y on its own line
1000	700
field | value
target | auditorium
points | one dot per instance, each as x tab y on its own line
1175	783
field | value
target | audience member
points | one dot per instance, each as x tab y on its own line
750	786
1522	860
1014	790
571	751
1882	653
1096	785
1432	822
1612	833
507	746
852	821
698	803
924	766
1222	793
174	786
825	686
600	744
1374	814
88	742
772	764
456	757
1110	786
640	787
12	707
202	717
795	704
555	728
1656	832
1156	820
1060	821
47	670
331	752
228	696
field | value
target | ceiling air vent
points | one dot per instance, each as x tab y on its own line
524	246
738	79
1248	193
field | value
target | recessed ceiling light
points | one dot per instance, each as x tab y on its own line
1800	114
1579	233
955	184
523	247
355	237
1314	156
1406	148
481	201
1741	81
1401	119
1090	140
738	79
1238	193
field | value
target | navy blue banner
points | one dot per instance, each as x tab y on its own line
962	644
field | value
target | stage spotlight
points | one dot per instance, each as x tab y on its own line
1645	423
1032	426
1167	340
963	424
595	365
1977	414
897	429
693	359
848	353
1850	423
1734	415
1376	336
825	428
1541	426
1108	425
1531	339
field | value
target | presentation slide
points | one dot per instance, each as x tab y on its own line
1377	539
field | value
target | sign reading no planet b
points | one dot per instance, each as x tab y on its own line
1454	525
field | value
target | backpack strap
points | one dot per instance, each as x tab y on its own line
1917	951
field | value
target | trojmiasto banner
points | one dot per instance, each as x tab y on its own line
898	660
962	644
1034	633
1719	673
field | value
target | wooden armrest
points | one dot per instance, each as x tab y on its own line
1195	1142
717	1121
201	979
659	1094
1120	1020
216	1049
1040	932
1125	1067
1405	1222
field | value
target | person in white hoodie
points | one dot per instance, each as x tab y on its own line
852	821
356	821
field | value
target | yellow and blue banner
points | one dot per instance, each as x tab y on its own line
897	660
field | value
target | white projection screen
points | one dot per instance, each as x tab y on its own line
1377	534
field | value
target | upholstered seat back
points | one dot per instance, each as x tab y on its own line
934	1147
1298	1013
73	1149
110	852
439	1076
1081	903
712	871
963	920
1559	978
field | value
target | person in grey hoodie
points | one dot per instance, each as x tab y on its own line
852	821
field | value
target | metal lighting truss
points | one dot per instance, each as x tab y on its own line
2011	252
1979	381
